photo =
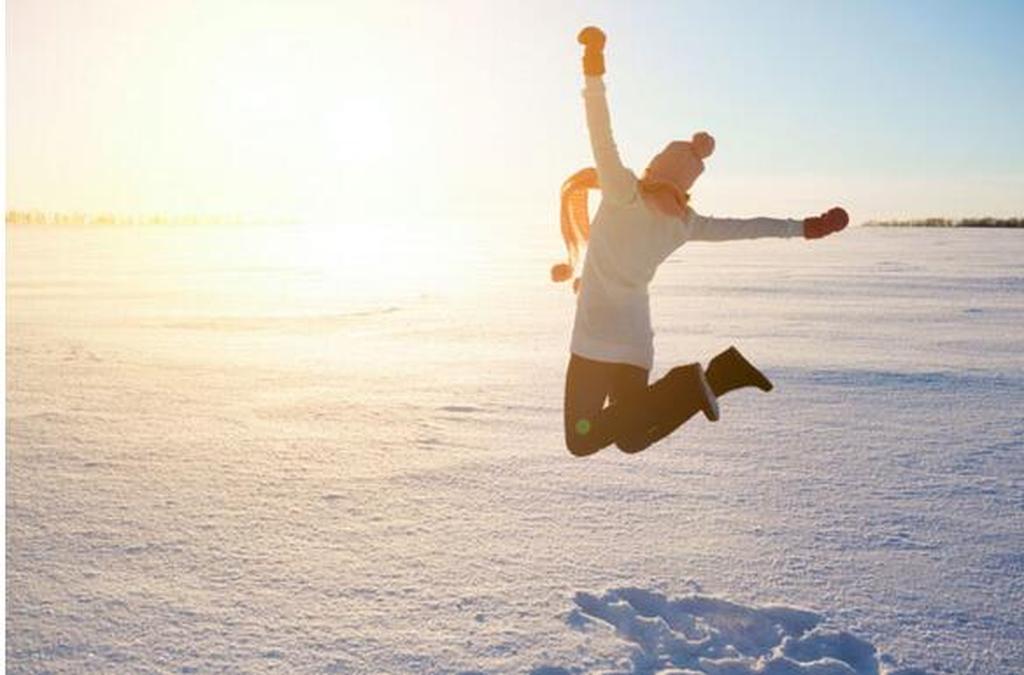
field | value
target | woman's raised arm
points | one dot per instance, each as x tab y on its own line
616	181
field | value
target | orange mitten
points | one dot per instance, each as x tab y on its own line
592	38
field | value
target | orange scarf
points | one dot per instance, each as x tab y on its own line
663	196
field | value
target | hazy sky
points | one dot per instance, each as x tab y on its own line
471	111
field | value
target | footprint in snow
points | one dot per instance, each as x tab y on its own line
699	634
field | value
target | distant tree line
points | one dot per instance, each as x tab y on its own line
37	217
947	222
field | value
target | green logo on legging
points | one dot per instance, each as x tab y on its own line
583	427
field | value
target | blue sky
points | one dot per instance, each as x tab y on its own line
899	101
919	86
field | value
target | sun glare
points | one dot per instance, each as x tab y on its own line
362	129
369	261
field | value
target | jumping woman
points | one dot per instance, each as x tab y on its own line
639	223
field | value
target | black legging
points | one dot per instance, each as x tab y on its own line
637	415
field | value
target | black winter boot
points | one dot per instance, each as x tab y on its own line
730	370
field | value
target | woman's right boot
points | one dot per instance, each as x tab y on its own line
730	370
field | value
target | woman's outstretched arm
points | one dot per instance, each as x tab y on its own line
617	182
707	228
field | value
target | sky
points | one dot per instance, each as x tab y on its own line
367	112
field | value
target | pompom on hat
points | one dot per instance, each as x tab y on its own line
703	144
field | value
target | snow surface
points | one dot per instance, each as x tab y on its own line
226	450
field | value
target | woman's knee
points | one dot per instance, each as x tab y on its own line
632	445
579	446
580	439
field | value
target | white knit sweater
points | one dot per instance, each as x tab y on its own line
628	240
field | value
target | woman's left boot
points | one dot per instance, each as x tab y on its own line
730	370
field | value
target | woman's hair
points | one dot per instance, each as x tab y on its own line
575	216
575	222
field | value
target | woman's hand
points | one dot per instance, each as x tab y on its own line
592	38
833	220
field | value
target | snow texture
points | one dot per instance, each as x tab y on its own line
235	450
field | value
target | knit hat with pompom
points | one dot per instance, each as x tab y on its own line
682	162
672	172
